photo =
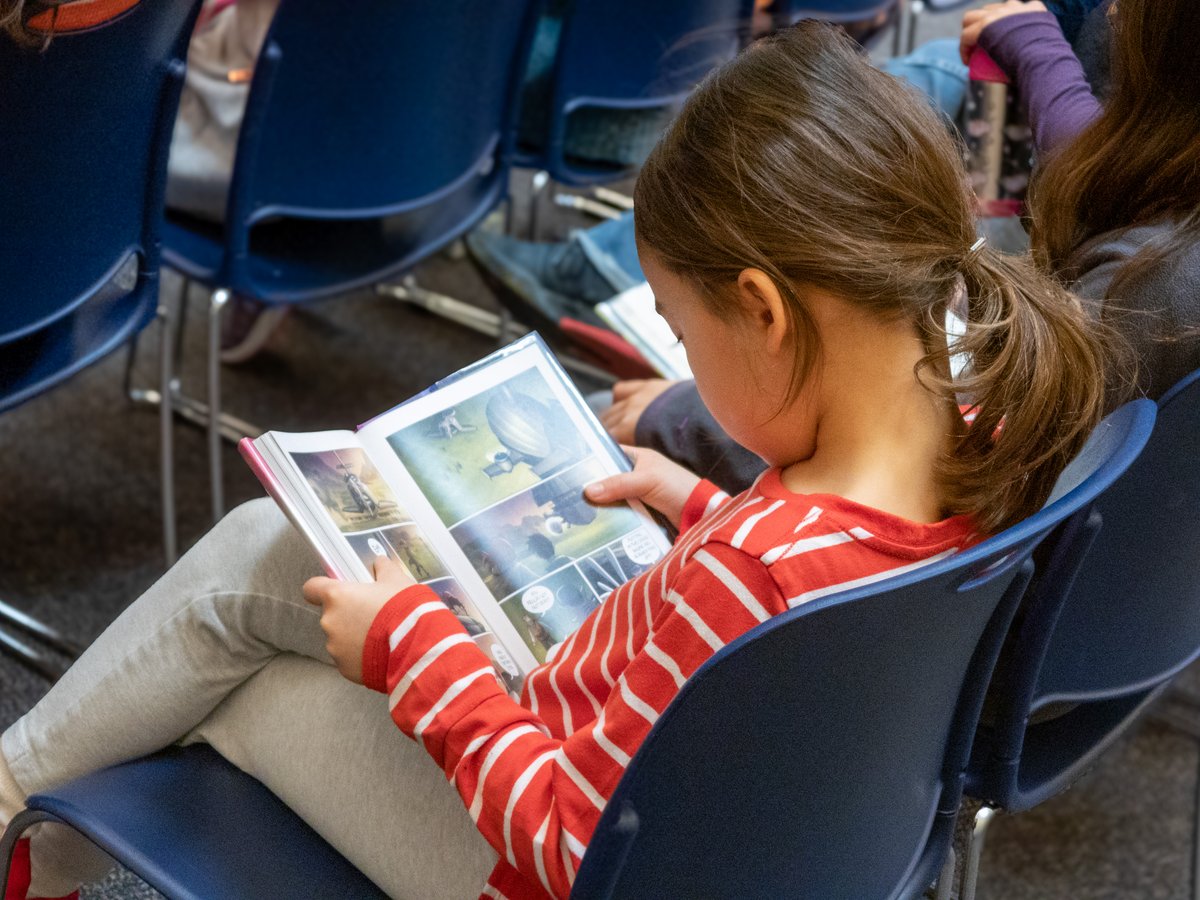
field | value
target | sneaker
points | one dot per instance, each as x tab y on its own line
553	280
246	327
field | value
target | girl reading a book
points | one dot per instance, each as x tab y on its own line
805	250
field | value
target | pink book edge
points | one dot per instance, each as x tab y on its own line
983	68
267	478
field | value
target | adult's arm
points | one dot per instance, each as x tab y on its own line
1054	90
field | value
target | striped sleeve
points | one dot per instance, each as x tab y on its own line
537	799
705	498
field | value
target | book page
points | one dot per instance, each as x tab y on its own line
361	516
500	455
631	314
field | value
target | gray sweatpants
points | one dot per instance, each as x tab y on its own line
223	649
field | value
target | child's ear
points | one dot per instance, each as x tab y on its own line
765	309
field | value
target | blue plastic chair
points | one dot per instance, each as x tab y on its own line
866	20
841	779
789	11
373	136
1113	618
85	126
630	55
194	827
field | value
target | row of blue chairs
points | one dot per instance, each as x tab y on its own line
326	195
844	776
370	141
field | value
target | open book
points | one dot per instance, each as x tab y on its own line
476	487
631	314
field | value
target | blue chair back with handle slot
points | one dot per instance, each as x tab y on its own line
645	55
85	131
1114	617
821	754
374	134
786	11
85	128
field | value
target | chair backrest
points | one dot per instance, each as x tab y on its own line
831	10
377	107
821	754
635	54
85	126
1130	619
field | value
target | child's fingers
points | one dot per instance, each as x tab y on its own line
618	487
387	568
317	589
623	389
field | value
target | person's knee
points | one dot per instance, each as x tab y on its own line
254	515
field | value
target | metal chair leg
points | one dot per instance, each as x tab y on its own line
536	186
899	27
945	882
40	630
166	412
31	658
218	300
983	819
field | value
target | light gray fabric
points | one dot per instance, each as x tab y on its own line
221	55
223	649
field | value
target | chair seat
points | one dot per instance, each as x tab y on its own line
40	361
1056	751
194	826
293	260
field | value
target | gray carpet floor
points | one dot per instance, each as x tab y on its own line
80	539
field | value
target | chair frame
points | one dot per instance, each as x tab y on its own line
138	307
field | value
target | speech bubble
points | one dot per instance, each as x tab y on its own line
537	600
640	548
376	547
503	660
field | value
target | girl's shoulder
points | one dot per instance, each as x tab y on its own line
814	544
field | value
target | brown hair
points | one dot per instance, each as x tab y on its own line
1139	161
800	159
15	16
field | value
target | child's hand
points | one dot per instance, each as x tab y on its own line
630	399
655	480
348	608
976	20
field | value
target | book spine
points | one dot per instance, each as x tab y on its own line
266	476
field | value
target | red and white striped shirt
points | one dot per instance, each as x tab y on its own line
536	775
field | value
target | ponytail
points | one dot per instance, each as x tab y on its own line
781	161
1035	386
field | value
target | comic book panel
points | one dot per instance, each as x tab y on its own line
402	544
455	597
349	487
540	530
507	673
546	613
490	446
619	562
